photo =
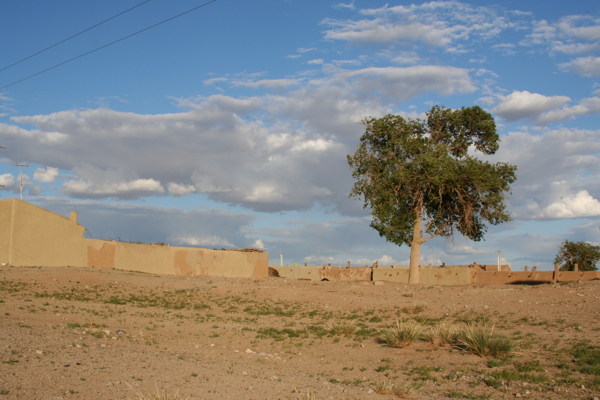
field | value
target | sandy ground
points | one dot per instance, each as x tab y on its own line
79	333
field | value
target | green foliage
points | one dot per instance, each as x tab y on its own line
413	172
587	358
585	255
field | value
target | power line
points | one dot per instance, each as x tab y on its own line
71	37
109	44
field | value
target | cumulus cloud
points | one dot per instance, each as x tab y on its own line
7	180
47	175
572	205
556	173
584	66
268	83
179	189
543	109
124	190
573	34
204	241
525	105
436	24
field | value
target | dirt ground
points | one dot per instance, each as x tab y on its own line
82	333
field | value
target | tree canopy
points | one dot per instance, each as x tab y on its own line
420	180
584	254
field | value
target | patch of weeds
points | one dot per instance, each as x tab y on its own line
496	362
402	390
414	309
280	334
401	334
529	366
383	368
442	335
472	318
345	328
318	330
483	341
456	394
96	334
423	373
587	358
158	395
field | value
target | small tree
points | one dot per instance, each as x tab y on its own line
584	254
420	181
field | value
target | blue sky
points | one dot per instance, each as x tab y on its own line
229	126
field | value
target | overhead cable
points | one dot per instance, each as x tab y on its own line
71	37
106	45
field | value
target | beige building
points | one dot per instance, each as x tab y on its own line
33	236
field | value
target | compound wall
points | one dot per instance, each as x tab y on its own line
33	236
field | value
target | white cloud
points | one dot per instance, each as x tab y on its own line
7	180
573	205
520	105
258	244
125	190
405	83
268	83
584	66
47	175
179	189
436	24
316	61
573	34
587	106
556	173
203	241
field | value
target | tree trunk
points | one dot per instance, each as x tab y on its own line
415	251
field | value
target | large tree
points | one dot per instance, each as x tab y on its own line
585	255
420	179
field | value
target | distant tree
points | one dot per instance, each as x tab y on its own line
584	254
420	181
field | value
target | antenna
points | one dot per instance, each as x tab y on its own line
21	177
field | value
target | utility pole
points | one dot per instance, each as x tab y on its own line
21	177
499	258
2	147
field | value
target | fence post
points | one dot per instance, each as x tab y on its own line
555	275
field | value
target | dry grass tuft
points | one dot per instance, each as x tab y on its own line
482	340
343	327
403	390
401	334
159	395
442	335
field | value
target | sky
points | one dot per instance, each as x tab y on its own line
229	126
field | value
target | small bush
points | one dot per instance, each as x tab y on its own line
442	335
401	334
158	395
343	328
482	340
404	390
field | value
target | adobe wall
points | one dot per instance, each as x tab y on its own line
428	275
33	236
531	277
319	273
